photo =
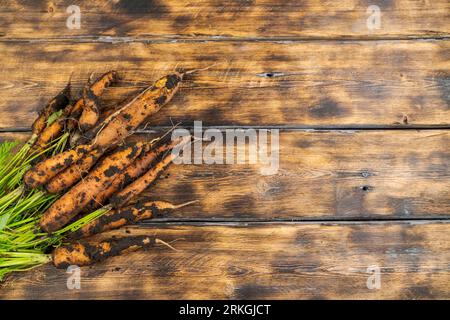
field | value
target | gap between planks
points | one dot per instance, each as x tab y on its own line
285	128
325	220
200	39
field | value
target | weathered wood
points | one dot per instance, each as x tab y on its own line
290	84
262	261
278	64
234	18
322	175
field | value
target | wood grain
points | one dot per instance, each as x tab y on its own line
387	83
292	65
211	19
262	261
322	175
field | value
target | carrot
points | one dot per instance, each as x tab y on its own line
45	170
87	136
83	254
97	88
104	81
91	112
118	125
114	129
137	186
105	114
132	172
127	215
73	112
55	104
140	184
74	173
52	131
41	173
78	138
74	200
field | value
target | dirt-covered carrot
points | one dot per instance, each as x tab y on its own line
83	254
52	131
117	126
87	136
74	173
133	171
104	81
72	112
74	200
113	130
74	115
57	103
97	88
127	215
137	186
45	170
91	112
77	137
90	134
90	106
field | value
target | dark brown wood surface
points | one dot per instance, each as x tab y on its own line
335	175
364	118
299	84
263	261
158	19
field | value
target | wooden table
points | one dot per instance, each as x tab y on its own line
363	116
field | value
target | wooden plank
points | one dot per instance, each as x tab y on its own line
231	19
269	261
387	83
322	175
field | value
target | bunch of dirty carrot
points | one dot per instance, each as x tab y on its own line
78	176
